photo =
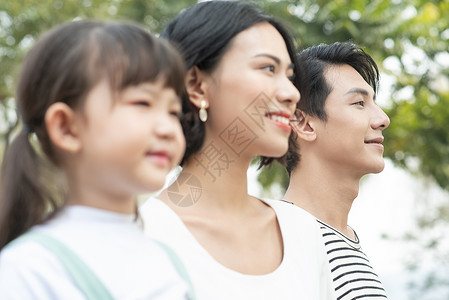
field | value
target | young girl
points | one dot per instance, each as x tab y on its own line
102	99
239	101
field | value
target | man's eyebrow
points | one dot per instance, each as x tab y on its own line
275	58
361	91
357	91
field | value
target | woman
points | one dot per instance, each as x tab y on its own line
238	102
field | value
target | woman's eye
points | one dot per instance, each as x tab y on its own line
292	77
361	103
269	68
176	114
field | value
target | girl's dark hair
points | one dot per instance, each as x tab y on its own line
314	87
203	33
63	66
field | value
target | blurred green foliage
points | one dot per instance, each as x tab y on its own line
410	42
22	21
408	38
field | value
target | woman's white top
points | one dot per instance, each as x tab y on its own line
112	245
303	273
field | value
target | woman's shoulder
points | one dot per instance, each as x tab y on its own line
161	222
156	211
285	209
295	222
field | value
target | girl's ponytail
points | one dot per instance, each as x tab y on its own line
24	198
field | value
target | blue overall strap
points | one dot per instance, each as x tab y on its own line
80	273
180	268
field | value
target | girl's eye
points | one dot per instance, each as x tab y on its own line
361	103
142	103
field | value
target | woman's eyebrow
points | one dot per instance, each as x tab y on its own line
275	58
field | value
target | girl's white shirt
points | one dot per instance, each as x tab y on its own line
112	245
303	273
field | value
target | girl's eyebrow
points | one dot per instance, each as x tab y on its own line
154	91
275	58
149	89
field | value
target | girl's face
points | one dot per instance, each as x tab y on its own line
250	95
131	142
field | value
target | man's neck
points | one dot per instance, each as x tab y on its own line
326	195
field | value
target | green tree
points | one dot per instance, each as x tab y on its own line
410	41
22	21
408	38
388	30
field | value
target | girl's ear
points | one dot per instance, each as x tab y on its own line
304	127
62	127
196	87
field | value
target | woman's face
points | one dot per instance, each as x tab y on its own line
250	95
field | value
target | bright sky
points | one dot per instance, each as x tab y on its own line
386	205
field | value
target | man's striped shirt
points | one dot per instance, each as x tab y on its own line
351	271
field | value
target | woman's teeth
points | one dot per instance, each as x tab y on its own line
281	119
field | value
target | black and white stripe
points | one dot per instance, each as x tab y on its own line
353	276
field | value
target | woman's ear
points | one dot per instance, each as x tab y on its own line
62	127
304	126
196	86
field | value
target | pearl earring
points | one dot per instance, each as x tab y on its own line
203	111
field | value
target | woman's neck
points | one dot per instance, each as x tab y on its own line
211	181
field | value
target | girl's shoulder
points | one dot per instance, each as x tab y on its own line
42	263
28	268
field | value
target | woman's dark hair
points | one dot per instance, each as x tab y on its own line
63	66
203	33
315	89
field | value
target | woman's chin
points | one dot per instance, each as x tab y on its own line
274	152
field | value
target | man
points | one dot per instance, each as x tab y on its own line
337	138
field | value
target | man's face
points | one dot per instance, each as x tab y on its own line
350	140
